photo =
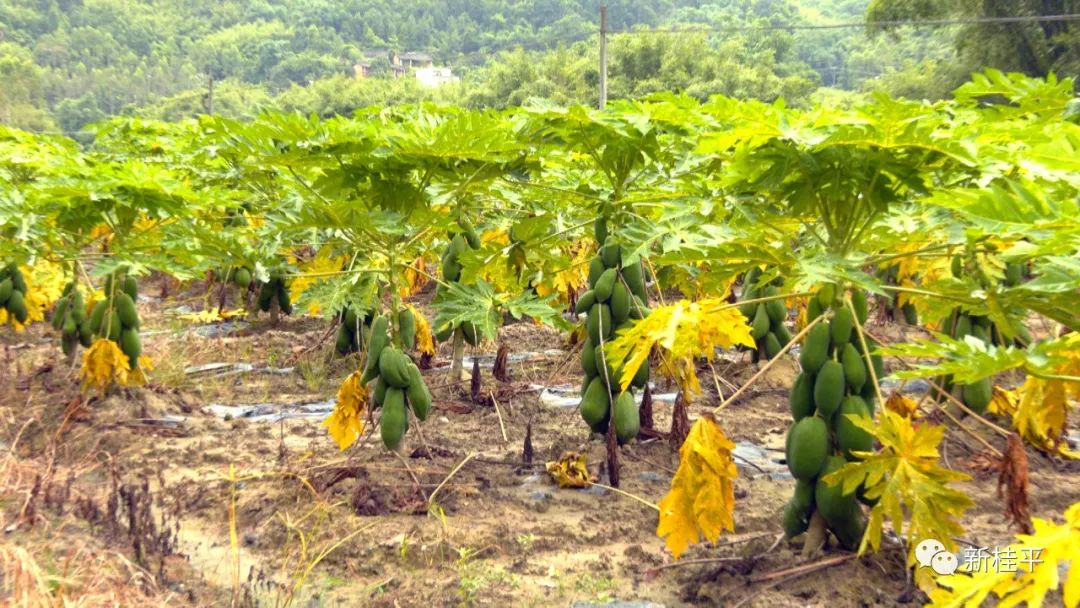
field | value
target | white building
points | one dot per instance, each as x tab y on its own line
434	77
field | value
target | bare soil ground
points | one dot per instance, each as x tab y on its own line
147	497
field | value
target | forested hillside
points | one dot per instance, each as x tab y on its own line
68	63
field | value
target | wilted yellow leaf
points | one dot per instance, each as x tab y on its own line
905	406
425	341
701	501
45	282
570	471
211	315
684	330
415	278
105	364
1034	568
346	423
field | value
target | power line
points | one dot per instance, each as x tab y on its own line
862	24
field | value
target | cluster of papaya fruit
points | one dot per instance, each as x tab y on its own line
835	382
70	318
13	292
616	296
766	318
467	238
398	383
889	276
354	330
275	290
115	317
239	275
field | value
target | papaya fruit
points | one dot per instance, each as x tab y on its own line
588	358
418	394
760	325
957	266
862	307
86	336
980	334
451	269
471	333
840	327
850	437
59	313
807	447
394	367
266	295
911	315
849	531
379	394
284	303
825	296
775	308
585	302
1014	273
125	308
829	388
596	268
794	522
97	315
638	309
605	284
131	287
635	279
749	310
620	303
854	367
598	323
444	334
242	278
594	403
393	419
16	305
772	345
801	397
830	500
343	342
68	344
977	395
78	307
813	309
131	345
472	239
406	328
376	344
70	328
610	254
6	287
962	327
115	327
641	376
600	232
803	497
626	418
815	348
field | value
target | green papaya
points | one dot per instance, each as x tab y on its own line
418	394
594	404
131	287
393	419
626	418
829	388
585	302
862	307
242	278
610	254
131	345
813	309
596	269
344	340
115	327
782	334
775	308
620	303
830	500
840	327
70	328
600	231
854	368
641	376
284	303
962	327
598	323
1014	273
86	336
980	334
125	308
803	497
471	333
749	310
801	397
825	296
78	307
588	358
472	239
815	349
849	531
760	325
445	333
911	314
18	281
635	279
6	288
977	395
267	292
638	309
605	285
957	266
406	328
850	437
60	313
394	367
772	345
97	315
807	447
68	344
379	394
376	344
794	522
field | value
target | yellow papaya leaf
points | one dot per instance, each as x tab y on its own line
346	423
905	406
212	315
323	264
701	501
570	471
105	364
45	282
905	477
416	278
425	341
683	331
1023	572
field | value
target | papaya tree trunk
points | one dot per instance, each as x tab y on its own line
458	357
646	412
612	454
499	370
680	423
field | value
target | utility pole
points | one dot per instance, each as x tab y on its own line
210	94
603	56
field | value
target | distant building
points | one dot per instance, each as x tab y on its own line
415	60
434	77
400	65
